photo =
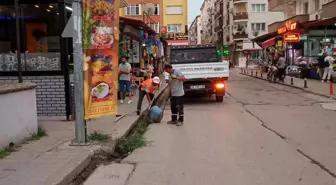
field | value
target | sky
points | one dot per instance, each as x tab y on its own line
193	9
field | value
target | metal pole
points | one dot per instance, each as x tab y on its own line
18	40
80	127
23	40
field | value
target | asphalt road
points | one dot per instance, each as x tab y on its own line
262	134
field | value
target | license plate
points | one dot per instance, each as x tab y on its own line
197	87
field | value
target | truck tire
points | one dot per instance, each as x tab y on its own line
219	98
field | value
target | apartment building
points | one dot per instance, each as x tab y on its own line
243	21
194	32
219	22
174	19
208	22
135	10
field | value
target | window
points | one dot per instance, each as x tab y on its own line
317	5
258	7
258	26
305	8
194	55
173	10
157	9
134	9
176	28
155	26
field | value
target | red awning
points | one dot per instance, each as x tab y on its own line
268	43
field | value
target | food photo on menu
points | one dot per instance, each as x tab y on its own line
101	91
101	64
102	10
102	37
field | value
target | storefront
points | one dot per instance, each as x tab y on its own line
47	60
301	40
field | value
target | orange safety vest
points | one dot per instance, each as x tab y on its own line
148	86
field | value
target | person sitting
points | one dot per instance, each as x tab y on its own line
147	88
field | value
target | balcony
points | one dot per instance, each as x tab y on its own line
239	1
218	28
240	36
328	9
220	11
240	16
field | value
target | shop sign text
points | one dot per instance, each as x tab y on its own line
291	37
290	26
31	62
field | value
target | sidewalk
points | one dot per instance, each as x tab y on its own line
313	86
51	161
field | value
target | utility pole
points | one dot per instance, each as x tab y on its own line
80	124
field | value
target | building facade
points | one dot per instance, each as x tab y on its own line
194	32
135	10
174	21
207	19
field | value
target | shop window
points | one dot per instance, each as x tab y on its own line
174	28
132	10
39	39
258	7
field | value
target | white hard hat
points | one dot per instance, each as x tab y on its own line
156	80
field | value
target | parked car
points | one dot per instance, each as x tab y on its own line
293	71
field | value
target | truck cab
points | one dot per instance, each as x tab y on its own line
206	73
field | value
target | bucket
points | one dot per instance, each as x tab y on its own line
156	114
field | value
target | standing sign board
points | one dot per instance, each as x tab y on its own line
100	45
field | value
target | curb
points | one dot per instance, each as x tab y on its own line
83	164
292	86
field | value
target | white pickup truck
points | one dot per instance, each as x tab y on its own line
200	64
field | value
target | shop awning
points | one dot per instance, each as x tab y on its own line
137	23
322	22
268	43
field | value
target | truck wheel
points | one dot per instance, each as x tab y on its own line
219	98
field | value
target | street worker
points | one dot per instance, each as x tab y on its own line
147	88
177	93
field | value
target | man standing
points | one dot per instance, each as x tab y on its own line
329	61
177	93
321	64
125	80
281	65
147	88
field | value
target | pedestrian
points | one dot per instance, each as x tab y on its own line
125	80
321	65
147	88
328	69
177	93
281	65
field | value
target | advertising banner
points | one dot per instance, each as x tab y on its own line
100	45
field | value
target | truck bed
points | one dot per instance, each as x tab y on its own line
204	70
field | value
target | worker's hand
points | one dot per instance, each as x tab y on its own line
174	77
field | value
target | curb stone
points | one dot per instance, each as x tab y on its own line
296	87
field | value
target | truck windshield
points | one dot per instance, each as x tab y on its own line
193	55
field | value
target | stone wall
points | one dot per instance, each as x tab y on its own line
50	95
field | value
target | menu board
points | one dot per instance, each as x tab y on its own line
100	44
31	62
